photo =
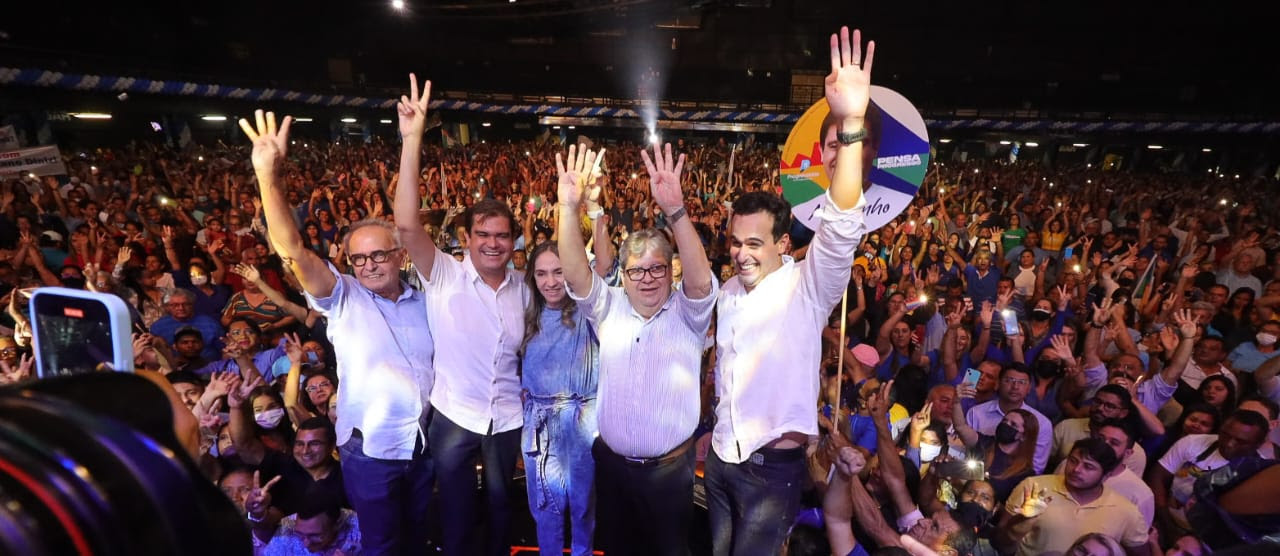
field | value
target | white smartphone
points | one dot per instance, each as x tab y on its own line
78	332
1010	319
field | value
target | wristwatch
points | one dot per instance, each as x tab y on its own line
675	216
851	137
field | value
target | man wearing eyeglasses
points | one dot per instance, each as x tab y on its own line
476	308
383	348
1110	402
651	339
1011	394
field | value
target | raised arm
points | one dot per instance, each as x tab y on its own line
573	251
413	118
269	149
1187	331
664	181
251	274
848	91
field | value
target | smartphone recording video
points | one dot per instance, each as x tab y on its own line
78	332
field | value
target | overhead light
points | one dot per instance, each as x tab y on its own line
633	175
397	4
213	118
1237	176
1206	150
555	127
1032	144
200	158
944	140
92	116
303	120
384	121
1155	147
348	120
1004	142
1079	145
485	124
573	127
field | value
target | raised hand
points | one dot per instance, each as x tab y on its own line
965	390
247	271
10	374
240	393
211	421
664	178
293	348
848	86
1102	313
413	108
215	246
1186	322
1062	348
269	144
572	172
986	314
221	384
920	421
849	461
1034	501
259	499
1064	297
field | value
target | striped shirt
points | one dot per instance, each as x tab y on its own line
649	395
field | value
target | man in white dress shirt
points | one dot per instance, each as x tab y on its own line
771	319
651	339
476	308
383	347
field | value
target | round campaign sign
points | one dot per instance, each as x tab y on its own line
896	174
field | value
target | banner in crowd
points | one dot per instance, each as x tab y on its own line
896	174
41	161
8	138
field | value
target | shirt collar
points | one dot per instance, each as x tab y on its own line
473	275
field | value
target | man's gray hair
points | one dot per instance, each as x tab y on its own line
643	241
179	293
370	222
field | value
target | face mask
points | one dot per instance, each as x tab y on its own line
1005	433
199	279
928	452
1265	339
202	198
1126	283
1047	369
269	419
1040	314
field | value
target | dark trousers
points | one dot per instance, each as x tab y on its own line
456	451
390	497
643	509
753	504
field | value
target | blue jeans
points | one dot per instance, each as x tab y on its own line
559	469
456	450
390	497
753	504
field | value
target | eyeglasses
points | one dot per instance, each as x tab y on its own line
359	259
1107	405
318	387
1016	381
636	274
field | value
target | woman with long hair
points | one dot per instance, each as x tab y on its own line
559	374
1198	418
1008	454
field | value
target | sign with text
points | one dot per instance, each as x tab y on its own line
897	170
41	161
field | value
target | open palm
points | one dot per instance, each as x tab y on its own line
270	145
848	86
664	178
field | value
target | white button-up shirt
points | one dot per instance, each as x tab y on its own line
649	396
383	349
770	340
480	329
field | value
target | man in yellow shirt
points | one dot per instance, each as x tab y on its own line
1047	513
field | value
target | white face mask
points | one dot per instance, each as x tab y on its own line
270	418
928	452
1265	339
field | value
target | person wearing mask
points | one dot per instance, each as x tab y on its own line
1014	383
1008	454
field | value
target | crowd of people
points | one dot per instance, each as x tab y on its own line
1030	360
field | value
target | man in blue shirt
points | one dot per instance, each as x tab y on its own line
181	306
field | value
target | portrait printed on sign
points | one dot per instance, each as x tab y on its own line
897	150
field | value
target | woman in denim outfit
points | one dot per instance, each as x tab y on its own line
560	372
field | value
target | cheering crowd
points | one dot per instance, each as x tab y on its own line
1029	360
